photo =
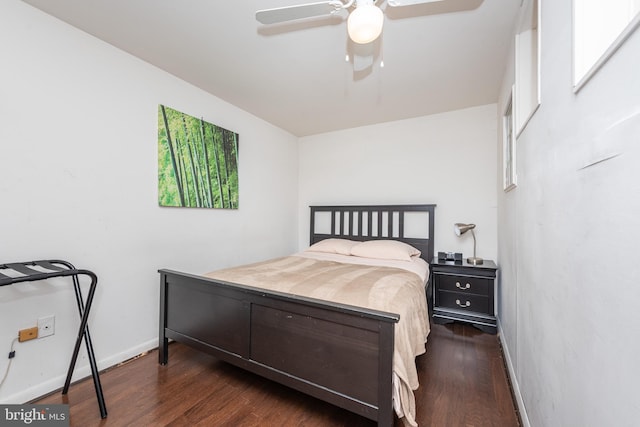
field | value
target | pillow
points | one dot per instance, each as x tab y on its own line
385	249
333	246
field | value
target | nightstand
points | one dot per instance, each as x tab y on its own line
464	292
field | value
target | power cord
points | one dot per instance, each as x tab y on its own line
12	354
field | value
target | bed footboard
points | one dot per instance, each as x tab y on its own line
338	353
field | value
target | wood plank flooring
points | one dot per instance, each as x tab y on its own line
462	383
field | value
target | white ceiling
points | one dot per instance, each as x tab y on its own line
438	57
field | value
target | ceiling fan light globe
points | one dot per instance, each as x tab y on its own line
365	23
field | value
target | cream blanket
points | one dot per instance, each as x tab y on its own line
381	288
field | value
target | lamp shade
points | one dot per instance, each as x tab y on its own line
460	228
365	23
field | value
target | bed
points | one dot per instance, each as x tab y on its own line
326	347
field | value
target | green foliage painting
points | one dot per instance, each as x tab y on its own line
197	162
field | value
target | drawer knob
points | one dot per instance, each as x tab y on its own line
466	304
459	286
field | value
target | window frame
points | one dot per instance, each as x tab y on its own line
527	95
580	80
509	170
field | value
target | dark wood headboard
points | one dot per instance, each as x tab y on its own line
376	222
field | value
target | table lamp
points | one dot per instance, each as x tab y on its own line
460	229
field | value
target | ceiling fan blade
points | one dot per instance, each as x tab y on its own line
290	13
396	3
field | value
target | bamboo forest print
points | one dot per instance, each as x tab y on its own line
197	162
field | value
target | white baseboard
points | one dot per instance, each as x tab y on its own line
82	370
514	379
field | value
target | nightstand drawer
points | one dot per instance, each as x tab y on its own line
462	301
466	285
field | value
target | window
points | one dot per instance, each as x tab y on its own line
509	147
600	27
527	67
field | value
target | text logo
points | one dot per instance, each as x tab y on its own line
34	415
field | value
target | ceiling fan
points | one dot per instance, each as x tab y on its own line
364	24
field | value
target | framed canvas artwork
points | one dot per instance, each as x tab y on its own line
197	162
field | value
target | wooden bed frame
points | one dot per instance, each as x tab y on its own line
338	353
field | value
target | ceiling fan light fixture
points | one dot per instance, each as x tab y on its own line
365	23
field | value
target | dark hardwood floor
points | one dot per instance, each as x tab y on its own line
462	383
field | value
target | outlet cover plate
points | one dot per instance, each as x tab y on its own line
46	326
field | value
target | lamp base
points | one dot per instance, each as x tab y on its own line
475	260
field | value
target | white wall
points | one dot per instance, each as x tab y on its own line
569	278
448	159
78	181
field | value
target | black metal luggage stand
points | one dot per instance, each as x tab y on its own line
57	268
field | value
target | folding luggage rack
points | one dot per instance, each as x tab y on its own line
32	271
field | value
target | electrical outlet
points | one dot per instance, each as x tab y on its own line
46	326
28	334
